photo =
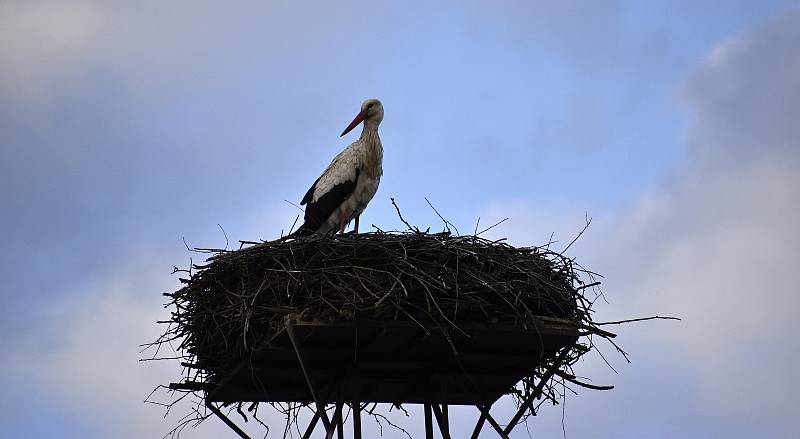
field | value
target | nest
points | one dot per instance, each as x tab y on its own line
234	301
241	296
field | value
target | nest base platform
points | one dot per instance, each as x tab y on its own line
399	362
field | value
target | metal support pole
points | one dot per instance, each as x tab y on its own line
478	427
485	413
537	391
311	425
320	406
442	421
210	395
340	424
336	422
428	422
227	421
356	420
446	417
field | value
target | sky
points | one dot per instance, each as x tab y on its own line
129	127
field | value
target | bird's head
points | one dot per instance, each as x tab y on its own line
371	114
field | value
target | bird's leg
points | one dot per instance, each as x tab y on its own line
341	222
355	230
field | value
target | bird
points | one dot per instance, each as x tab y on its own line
348	184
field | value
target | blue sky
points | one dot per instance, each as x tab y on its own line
125	127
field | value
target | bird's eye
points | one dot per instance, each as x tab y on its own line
370	105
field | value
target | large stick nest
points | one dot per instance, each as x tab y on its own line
239	297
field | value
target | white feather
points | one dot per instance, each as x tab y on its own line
342	168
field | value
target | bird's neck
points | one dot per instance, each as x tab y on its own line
370	132
374	151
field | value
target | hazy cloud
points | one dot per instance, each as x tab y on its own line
124	126
89	364
746	97
715	245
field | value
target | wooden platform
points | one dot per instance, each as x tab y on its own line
394	362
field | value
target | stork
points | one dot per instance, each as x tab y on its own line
348	184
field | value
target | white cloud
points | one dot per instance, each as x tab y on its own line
718	247
85	355
715	244
746	96
719	254
50	49
40	42
86	360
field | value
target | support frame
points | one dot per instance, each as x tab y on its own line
432	408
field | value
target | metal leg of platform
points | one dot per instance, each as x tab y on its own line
320	406
336	423
488	416
226	420
356	420
217	412
478	427
340	421
311	425
441	419
537	391
446	417
210	395
428	422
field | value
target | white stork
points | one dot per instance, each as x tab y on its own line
343	190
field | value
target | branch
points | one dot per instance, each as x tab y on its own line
618	322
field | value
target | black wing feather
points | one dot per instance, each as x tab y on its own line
317	212
310	194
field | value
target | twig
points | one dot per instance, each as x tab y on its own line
224	234
618	322
492	226
295	205
291	229
447	224
588	222
413	229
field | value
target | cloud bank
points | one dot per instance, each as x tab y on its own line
715	244
124	127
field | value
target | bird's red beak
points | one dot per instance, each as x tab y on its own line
359	118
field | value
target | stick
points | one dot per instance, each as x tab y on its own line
618	322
